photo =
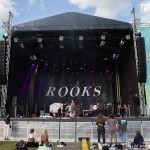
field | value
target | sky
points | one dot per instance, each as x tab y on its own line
28	10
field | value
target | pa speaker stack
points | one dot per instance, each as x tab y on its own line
142	72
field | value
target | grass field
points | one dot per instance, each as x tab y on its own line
10	145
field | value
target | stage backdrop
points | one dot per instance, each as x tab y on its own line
145	31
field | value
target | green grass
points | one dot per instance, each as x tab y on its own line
10	145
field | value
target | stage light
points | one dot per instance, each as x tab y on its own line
33	57
41	45
61	38
127	37
121	42
22	45
102	43
39	40
80	38
81	42
15	40
103	37
115	56
61	43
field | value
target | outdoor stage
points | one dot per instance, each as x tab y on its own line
73	56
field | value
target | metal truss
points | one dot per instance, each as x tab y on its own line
7	29
141	86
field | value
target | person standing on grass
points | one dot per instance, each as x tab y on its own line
112	126
100	122
122	128
7	126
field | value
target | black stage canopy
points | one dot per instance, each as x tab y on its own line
72	21
72	49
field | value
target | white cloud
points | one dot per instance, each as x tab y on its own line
34	2
145	12
105	8
5	7
42	5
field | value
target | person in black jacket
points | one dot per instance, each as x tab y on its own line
7	126
100	122
138	140
21	145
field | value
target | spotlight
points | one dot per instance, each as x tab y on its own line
22	45
15	40
33	57
115	56
39	40
81	42
61	43
121	42
80	38
102	43
103	37
127	37
61	38
41	45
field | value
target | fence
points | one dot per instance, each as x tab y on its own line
70	131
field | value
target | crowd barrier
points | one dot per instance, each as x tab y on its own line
69	131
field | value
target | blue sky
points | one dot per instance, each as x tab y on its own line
27	10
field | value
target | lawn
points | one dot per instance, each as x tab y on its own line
10	145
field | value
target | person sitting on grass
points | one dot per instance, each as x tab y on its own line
21	145
32	140
138	140
44	137
44	147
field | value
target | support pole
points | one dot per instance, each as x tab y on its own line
140	85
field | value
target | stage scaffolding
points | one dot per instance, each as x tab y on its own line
7	28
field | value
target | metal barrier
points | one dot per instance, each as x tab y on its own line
70	131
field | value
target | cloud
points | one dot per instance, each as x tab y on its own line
104	8
145	12
5	7
32	2
41	3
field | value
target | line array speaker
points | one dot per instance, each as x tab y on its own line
142	71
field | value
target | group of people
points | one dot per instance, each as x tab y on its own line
62	110
116	126
43	144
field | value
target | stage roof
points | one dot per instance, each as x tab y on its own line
71	21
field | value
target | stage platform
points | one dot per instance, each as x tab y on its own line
69	130
76	119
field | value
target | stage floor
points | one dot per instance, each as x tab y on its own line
76	119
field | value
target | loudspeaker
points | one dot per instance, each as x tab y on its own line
3	63
141	54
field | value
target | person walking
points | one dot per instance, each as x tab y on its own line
100	122
7	126
112	125
122	128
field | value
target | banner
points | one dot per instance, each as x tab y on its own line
145	31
